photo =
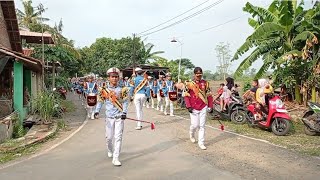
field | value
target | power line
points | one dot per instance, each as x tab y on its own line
198	32
186	18
174	17
221	24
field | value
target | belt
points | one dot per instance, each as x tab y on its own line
115	117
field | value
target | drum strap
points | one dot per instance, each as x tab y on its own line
111	95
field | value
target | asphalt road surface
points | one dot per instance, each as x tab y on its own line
145	154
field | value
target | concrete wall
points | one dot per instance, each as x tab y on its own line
6	128
4	37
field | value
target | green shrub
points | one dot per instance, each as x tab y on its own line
47	105
18	130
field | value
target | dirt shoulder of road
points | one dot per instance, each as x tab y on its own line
248	158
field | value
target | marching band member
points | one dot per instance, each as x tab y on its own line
150	84
169	84
116	112
198	101
126	82
139	92
90	88
100	99
154	93
159	98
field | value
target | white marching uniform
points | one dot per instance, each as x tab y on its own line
167	100
114	123
91	89
159	98
139	97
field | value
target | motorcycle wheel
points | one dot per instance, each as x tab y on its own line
280	126
238	117
309	131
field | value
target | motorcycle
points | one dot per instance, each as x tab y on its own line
235	110
277	118
311	119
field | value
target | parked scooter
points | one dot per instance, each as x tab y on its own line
311	119
236	112
277	118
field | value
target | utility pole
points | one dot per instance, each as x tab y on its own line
134	52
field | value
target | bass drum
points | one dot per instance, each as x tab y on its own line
173	96
91	99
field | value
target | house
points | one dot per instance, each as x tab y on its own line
21	76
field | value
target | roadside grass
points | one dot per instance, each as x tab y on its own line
9	156
296	140
69	105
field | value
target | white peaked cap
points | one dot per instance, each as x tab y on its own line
138	69
113	71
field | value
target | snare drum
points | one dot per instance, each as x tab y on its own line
161	93
173	96
91	99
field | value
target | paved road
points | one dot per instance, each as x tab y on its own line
145	154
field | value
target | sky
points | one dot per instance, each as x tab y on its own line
86	20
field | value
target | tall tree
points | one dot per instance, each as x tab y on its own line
224	57
280	34
30	17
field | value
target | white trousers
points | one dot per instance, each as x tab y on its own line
160	102
139	99
168	102
114	131
198	120
90	111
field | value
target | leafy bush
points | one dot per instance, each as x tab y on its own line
18	130
47	105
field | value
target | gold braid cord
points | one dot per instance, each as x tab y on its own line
112	96
202	94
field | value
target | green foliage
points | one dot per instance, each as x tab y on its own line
18	130
246	85
186	66
47	105
121	53
280	36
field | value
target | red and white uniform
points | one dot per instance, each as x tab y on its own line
199	113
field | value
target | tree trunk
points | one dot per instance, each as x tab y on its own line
297	94
313	94
53	74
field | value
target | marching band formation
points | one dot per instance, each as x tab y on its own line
116	93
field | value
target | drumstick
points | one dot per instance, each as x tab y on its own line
153	126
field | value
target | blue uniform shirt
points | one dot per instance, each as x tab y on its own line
169	85
111	110
144	90
91	88
165	91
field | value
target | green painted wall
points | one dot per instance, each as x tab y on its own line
18	89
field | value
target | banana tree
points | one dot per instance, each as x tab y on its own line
278	37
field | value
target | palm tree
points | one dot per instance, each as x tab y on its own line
30	16
147	53
280	34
